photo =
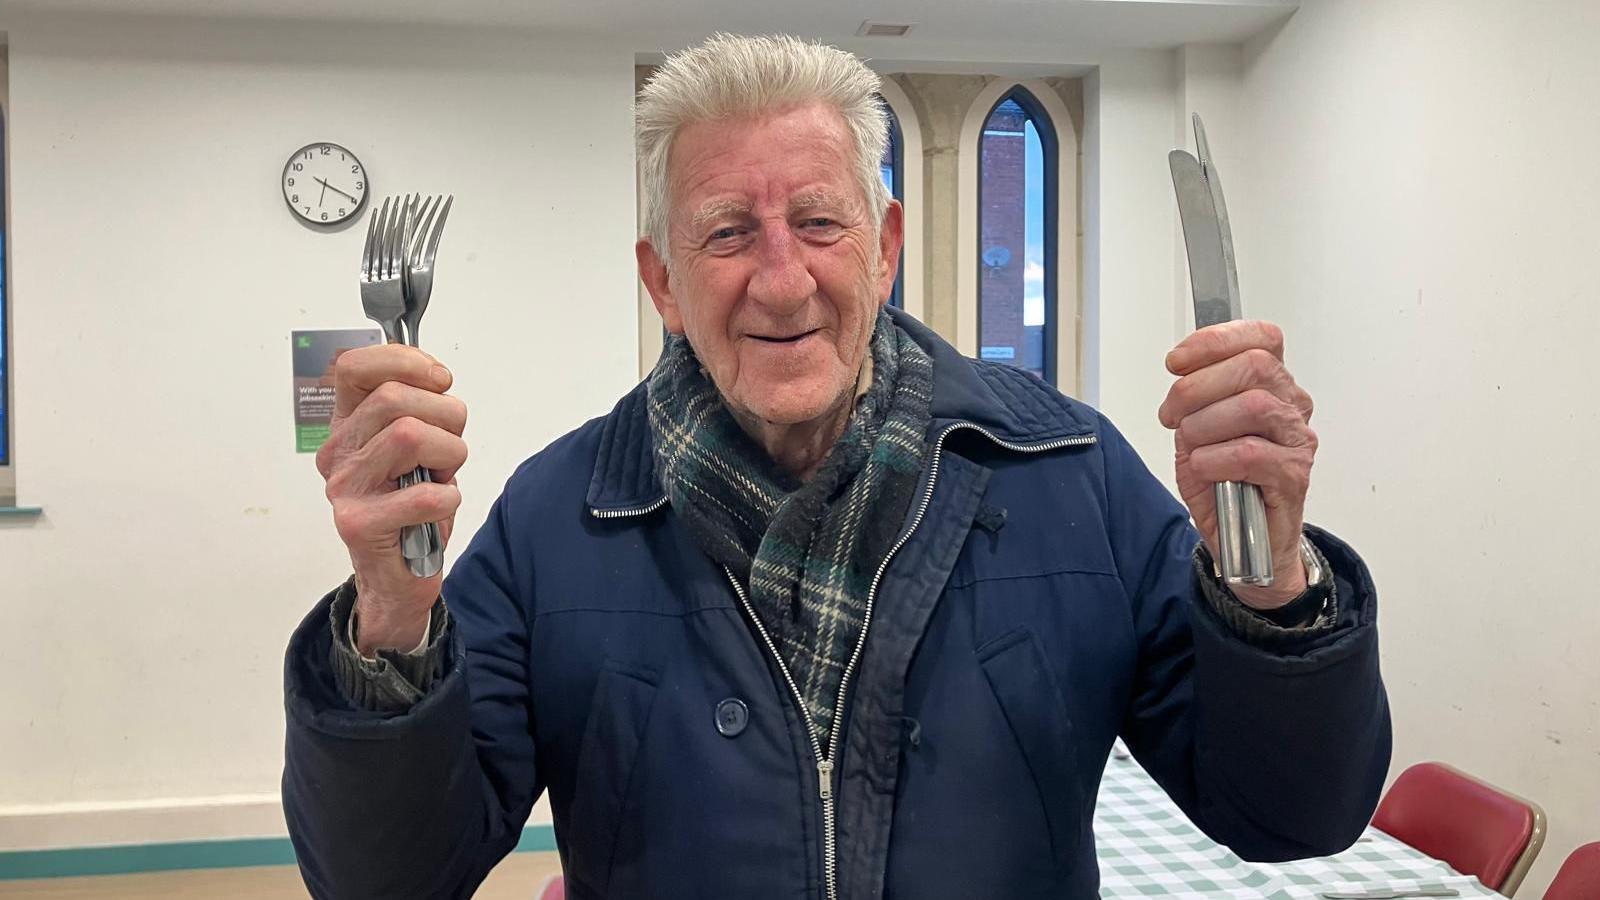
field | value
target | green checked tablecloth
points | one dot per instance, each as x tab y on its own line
1147	848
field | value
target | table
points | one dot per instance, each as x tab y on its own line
1148	848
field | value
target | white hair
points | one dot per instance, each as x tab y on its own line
735	77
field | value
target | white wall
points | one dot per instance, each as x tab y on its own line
1130	225
157	274
1420	215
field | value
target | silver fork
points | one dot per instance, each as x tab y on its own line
382	291
425	550
419	261
383	298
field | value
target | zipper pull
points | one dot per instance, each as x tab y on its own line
825	778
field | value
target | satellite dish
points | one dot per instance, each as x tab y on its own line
996	257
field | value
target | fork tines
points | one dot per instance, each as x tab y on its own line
424	245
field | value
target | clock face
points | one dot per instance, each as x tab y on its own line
324	184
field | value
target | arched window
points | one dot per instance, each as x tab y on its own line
892	167
1017	241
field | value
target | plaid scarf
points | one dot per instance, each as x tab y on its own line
807	552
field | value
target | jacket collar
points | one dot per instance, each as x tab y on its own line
1004	402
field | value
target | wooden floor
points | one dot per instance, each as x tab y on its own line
517	878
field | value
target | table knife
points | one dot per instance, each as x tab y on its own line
1245	549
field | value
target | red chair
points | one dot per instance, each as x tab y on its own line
1475	827
554	889
1579	878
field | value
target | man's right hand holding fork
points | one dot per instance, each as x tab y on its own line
391	414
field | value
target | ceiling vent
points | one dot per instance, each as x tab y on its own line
882	29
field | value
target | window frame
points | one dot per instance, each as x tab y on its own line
1067	222
897	190
1050	149
909	277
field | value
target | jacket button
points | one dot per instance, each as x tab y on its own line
732	717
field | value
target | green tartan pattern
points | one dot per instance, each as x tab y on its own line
806	552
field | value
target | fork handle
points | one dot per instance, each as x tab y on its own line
421	544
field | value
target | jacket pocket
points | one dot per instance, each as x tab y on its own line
618	714
1026	689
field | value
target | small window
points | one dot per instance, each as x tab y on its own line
1016	236
892	168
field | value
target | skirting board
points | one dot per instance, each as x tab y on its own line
130	859
156	821
155	835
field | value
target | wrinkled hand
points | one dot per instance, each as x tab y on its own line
391	415
1238	415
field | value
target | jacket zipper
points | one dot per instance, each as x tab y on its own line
825	761
624	513
830	861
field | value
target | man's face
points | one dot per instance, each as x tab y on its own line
778	270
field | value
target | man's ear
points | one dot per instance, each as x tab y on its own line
653	272
891	237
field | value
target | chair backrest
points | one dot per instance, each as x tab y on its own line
1475	827
554	889
1579	878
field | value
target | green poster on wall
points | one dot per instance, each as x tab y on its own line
314	354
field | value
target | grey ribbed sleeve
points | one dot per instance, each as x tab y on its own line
1311	613
395	680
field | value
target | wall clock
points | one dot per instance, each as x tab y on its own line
324	184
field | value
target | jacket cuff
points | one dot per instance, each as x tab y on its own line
395	680
1312	613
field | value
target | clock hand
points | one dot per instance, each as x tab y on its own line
324	193
334	189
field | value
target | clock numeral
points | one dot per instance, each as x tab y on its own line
341	212
295	199
361	185
355	170
308	154
308	210
291	182
324	217
299	167
326	150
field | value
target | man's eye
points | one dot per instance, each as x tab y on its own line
722	234
817	222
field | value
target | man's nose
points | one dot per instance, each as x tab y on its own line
781	281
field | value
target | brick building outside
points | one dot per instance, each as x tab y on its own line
1004	334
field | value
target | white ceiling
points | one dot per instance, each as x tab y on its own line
1041	30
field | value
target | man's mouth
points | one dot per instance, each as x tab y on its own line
785	339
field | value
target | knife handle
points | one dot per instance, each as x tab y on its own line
1246	547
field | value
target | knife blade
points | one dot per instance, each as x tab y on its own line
1230	265
1245	546
1202	239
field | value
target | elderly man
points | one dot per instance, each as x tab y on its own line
822	609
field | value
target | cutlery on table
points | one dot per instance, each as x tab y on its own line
1391	894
